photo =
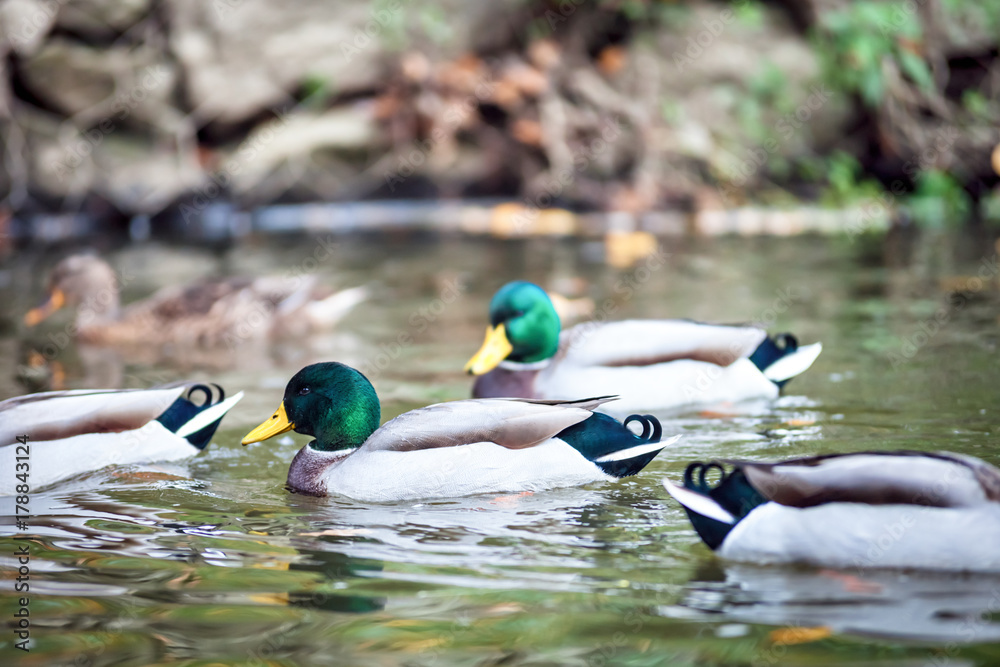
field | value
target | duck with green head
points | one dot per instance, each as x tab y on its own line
653	365
448	449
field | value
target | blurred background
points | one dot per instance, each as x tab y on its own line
182	118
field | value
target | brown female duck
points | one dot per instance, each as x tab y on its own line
207	313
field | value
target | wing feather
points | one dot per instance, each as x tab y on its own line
510	423
648	342
877	478
63	414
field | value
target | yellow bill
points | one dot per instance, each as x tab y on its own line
276	425
495	349
56	300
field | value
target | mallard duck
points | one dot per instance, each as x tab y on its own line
207	313
899	509
75	431
450	449
651	364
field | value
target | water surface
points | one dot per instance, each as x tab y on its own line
210	560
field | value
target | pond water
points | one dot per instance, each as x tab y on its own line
210	560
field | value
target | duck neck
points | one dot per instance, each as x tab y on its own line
99	308
99	301
306	473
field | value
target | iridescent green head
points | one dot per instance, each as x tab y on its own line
524	327
332	402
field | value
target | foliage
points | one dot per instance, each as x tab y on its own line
938	200
990	208
857	41
845	179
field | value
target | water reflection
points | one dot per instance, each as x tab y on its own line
219	563
919	607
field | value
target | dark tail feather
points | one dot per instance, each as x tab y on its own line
651	429
772	349
732	493
612	447
627	467
184	409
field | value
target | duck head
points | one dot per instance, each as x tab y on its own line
84	282
332	402
524	327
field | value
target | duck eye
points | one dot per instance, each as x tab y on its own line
304	391
518	313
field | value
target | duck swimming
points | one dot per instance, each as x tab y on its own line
897	509
448	449
207	313
65	433
651	364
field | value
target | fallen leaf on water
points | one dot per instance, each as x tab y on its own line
799	635
716	414
504	608
338	532
852	583
511	499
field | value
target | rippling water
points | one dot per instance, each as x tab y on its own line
210	560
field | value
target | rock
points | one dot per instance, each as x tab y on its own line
95	85
243	56
26	23
101	18
135	173
139	176
296	137
72	77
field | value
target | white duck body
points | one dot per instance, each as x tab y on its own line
469	447
481	467
845	535
71	432
871	510
664	365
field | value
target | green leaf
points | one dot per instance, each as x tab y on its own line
976	103
916	68
871	86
